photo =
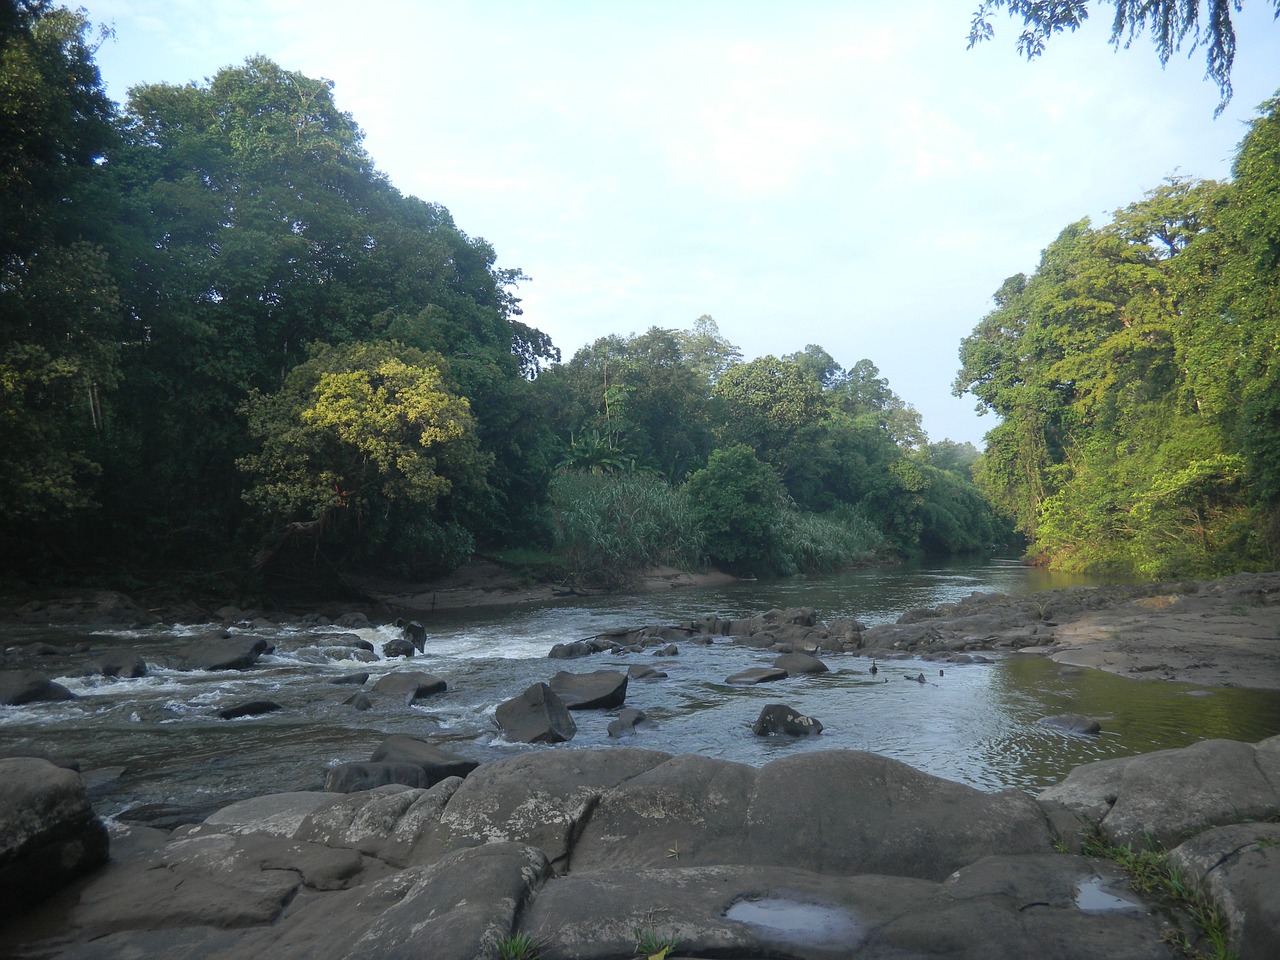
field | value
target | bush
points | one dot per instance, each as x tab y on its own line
610	527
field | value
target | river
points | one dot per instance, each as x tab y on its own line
154	751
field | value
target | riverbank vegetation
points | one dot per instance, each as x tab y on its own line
229	344
1137	381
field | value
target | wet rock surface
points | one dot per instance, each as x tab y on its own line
595	852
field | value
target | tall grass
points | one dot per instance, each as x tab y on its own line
825	542
610	527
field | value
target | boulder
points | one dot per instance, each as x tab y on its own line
117	663
355	679
757	675
835	812
250	708
626	722
780	718
571	650
26	686
1238	868
439	764
49	834
670	650
353	621
1001	907
1169	795
540	799
214	651
1072	723
599	690
415	633
640	672
352	777
359	701
410	685
399	647
457	908
536	716
799	663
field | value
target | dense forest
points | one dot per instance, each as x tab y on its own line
1137	377
230	346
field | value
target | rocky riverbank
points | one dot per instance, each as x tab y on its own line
610	854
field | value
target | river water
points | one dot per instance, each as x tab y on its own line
154	751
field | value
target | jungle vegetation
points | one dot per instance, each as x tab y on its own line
230	347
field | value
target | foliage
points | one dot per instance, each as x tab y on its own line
1171	22
825	542
1136	379
610	527
517	946
736	500
654	945
372	430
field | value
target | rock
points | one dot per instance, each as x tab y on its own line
410	685
25	686
757	675
600	690
626	722
1008	907
438	763
355	679
888	818
251	708
779	718
459	906
49	834
536	716
360	701
276	814
117	663
214	651
1072	723
353	621
1170	794
670	650
352	777
540	799
1238	867
571	650
800	663
348	640
640	672
415	633
399	647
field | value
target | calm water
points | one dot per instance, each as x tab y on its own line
155	752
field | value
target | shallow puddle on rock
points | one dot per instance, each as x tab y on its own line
1093	897
796	922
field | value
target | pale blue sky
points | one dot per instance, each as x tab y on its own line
840	173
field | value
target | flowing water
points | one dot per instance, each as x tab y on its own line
154	750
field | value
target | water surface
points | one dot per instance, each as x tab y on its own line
155	751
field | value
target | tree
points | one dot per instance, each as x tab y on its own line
1172	23
737	500
60	315
359	432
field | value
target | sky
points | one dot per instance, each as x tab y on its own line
839	173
